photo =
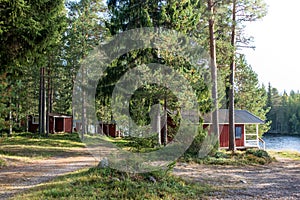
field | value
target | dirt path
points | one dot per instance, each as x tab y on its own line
18	177
279	180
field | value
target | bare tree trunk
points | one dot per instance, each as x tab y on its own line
48	101
83	114
18	118
213	65
27	122
42	102
165	130
44	106
10	119
232	145
158	128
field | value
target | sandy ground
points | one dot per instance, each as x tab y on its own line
278	180
19	176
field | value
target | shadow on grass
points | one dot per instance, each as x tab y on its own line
36	146
39	153
57	140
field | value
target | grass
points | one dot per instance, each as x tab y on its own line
134	144
59	140
2	163
32	146
248	157
95	183
294	155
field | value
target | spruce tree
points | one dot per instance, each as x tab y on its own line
27	30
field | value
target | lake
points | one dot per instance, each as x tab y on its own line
282	142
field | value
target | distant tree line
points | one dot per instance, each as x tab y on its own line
284	114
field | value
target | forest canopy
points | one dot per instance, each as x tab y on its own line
54	37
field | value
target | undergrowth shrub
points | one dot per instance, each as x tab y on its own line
137	144
223	157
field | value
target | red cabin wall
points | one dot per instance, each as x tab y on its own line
51	124
32	127
224	136
68	125
110	130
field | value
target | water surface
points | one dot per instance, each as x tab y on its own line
282	142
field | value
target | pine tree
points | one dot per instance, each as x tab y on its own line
86	30
240	11
182	16
213	66
27	30
250	95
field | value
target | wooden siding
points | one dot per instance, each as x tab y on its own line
224	136
68	125
56	124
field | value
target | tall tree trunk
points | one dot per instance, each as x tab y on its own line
10	118
158	128
44	106
48	100
213	65
42	102
232	145
83	114
165	130
27	122
18	117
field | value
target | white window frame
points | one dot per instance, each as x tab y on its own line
239	127
35	120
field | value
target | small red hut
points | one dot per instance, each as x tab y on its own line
242	119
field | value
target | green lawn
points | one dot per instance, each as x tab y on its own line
32	146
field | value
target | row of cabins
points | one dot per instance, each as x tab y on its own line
65	123
243	118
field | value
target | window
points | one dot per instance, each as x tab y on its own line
238	132
35	120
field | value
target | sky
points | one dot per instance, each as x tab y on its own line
276	58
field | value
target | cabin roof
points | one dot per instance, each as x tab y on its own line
60	115
241	117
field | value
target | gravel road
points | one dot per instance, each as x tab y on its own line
20	177
278	180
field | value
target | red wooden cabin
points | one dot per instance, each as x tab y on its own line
57	123
243	139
